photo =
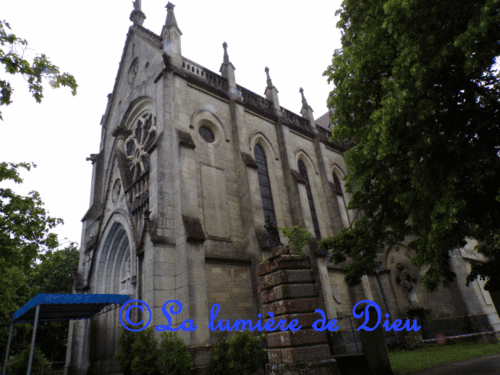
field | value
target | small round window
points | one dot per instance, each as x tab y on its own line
207	134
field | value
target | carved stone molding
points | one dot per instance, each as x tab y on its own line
249	161
266	242
120	131
298	177
194	229
185	139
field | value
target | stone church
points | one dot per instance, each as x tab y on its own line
193	176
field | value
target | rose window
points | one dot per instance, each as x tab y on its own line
139	142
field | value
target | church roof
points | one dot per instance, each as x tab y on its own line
324	120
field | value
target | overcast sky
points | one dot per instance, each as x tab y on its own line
295	40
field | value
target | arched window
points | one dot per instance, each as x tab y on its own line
265	185
303	173
338	186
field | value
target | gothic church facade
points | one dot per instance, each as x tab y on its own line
192	175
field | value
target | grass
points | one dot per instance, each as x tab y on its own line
409	362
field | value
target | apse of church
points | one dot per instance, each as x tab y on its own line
194	174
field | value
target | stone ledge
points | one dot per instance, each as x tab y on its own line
288	291
298	338
306	320
285	277
300	354
292	306
284	261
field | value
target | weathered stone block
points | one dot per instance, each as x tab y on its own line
288	291
299	354
292	306
285	277
300	337
284	261
306	320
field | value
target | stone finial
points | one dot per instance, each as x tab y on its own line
171	21
226	56
271	92
227	68
171	39
137	16
269	82
306	110
304	101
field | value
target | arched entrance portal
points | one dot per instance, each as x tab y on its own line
114	274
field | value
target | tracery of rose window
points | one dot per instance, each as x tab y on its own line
138	143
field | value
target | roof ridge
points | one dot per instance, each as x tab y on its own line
148	33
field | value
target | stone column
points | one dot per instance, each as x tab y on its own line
288	290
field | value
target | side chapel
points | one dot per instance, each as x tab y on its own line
194	174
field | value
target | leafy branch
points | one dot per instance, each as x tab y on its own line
33	72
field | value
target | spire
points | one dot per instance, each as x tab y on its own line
171	21
269	82
226	56
306	110
171	37
137	16
227	68
304	101
271	92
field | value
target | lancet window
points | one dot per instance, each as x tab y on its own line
303	173
338	186
265	185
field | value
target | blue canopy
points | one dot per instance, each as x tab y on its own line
66	306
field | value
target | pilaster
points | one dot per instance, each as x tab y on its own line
289	291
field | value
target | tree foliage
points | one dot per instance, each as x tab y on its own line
25	232
19	364
416	90
140	353
240	354
30	265
297	238
12	51
174	355
54	273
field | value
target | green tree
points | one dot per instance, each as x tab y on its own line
54	274
138	352
297	238
175	358
30	265
241	354
25	227
416	91
19	364
25	232
12	51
